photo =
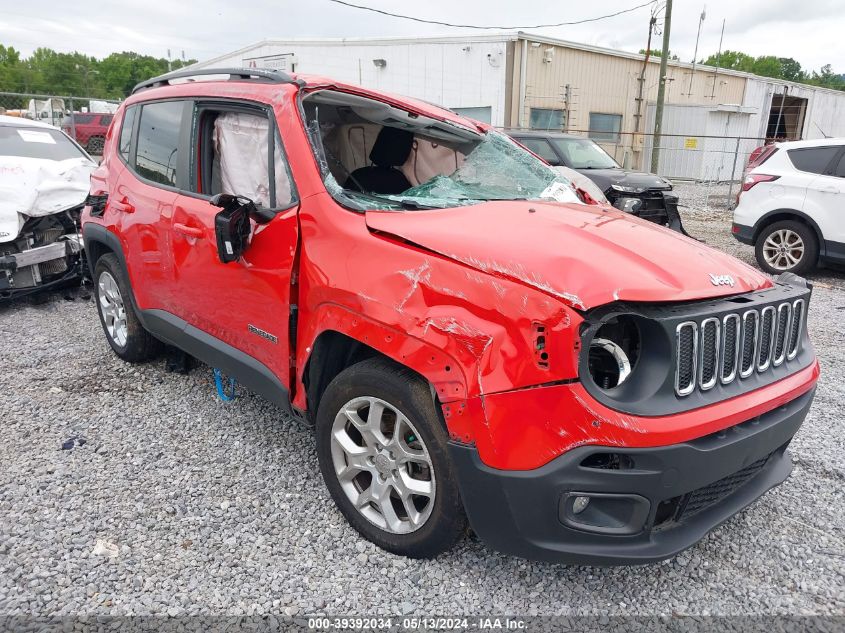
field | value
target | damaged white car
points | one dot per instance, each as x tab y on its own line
44	179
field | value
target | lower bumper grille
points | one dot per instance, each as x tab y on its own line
702	498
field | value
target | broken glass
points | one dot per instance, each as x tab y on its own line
493	168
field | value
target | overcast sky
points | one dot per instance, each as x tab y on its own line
811	31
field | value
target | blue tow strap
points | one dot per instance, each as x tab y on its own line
221	391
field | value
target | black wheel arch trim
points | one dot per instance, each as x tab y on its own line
98	239
764	221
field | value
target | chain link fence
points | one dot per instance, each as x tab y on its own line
700	158
84	119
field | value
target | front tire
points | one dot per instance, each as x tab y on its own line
124	332
383	454
787	246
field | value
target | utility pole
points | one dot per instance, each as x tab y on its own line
641	79
661	89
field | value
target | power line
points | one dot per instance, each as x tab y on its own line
475	26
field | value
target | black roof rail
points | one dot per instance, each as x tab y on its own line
262	75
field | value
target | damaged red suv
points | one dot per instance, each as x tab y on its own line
473	345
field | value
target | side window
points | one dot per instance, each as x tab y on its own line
541	147
126	131
546	119
83	119
812	159
105	120
605	127
234	157
158	142
840	167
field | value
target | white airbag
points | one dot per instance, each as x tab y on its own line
240	142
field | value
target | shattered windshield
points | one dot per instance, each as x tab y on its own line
496	169
376	156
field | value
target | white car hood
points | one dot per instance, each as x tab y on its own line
34	187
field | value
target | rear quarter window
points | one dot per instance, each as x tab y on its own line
814	160
126	131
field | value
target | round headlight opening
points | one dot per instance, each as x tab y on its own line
613	352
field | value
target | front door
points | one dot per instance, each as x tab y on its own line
246	303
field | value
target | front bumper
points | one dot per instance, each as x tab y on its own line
40	267
687	489
658	206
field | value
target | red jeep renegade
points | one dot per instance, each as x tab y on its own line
472	343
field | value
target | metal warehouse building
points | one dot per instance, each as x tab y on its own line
712	120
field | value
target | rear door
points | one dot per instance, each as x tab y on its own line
245	303
825	197
143	198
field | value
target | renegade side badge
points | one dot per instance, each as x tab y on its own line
262	333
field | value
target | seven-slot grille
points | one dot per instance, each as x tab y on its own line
736	345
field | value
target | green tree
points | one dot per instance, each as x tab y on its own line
791	70
75	74
656	52
777	68
733	60
827	78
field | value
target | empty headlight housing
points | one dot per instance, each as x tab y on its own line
626	357
613	352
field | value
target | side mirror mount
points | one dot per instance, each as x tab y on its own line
231	225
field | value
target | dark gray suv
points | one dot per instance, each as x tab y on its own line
642	194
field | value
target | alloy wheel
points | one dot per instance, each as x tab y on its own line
383	465
112	308
783	249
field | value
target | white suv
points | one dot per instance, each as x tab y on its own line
792	206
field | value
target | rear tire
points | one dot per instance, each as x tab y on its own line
383	454
124	332
787	246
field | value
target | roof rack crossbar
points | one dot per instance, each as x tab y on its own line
262	75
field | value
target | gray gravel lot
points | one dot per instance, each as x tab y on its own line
179	503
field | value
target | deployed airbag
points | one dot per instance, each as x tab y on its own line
240	143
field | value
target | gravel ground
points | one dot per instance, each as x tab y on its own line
179	503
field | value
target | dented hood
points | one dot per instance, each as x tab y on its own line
34	187
584	255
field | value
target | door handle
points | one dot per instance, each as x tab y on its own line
190	231
830	189
123	205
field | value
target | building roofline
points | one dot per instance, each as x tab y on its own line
531	37
503	37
